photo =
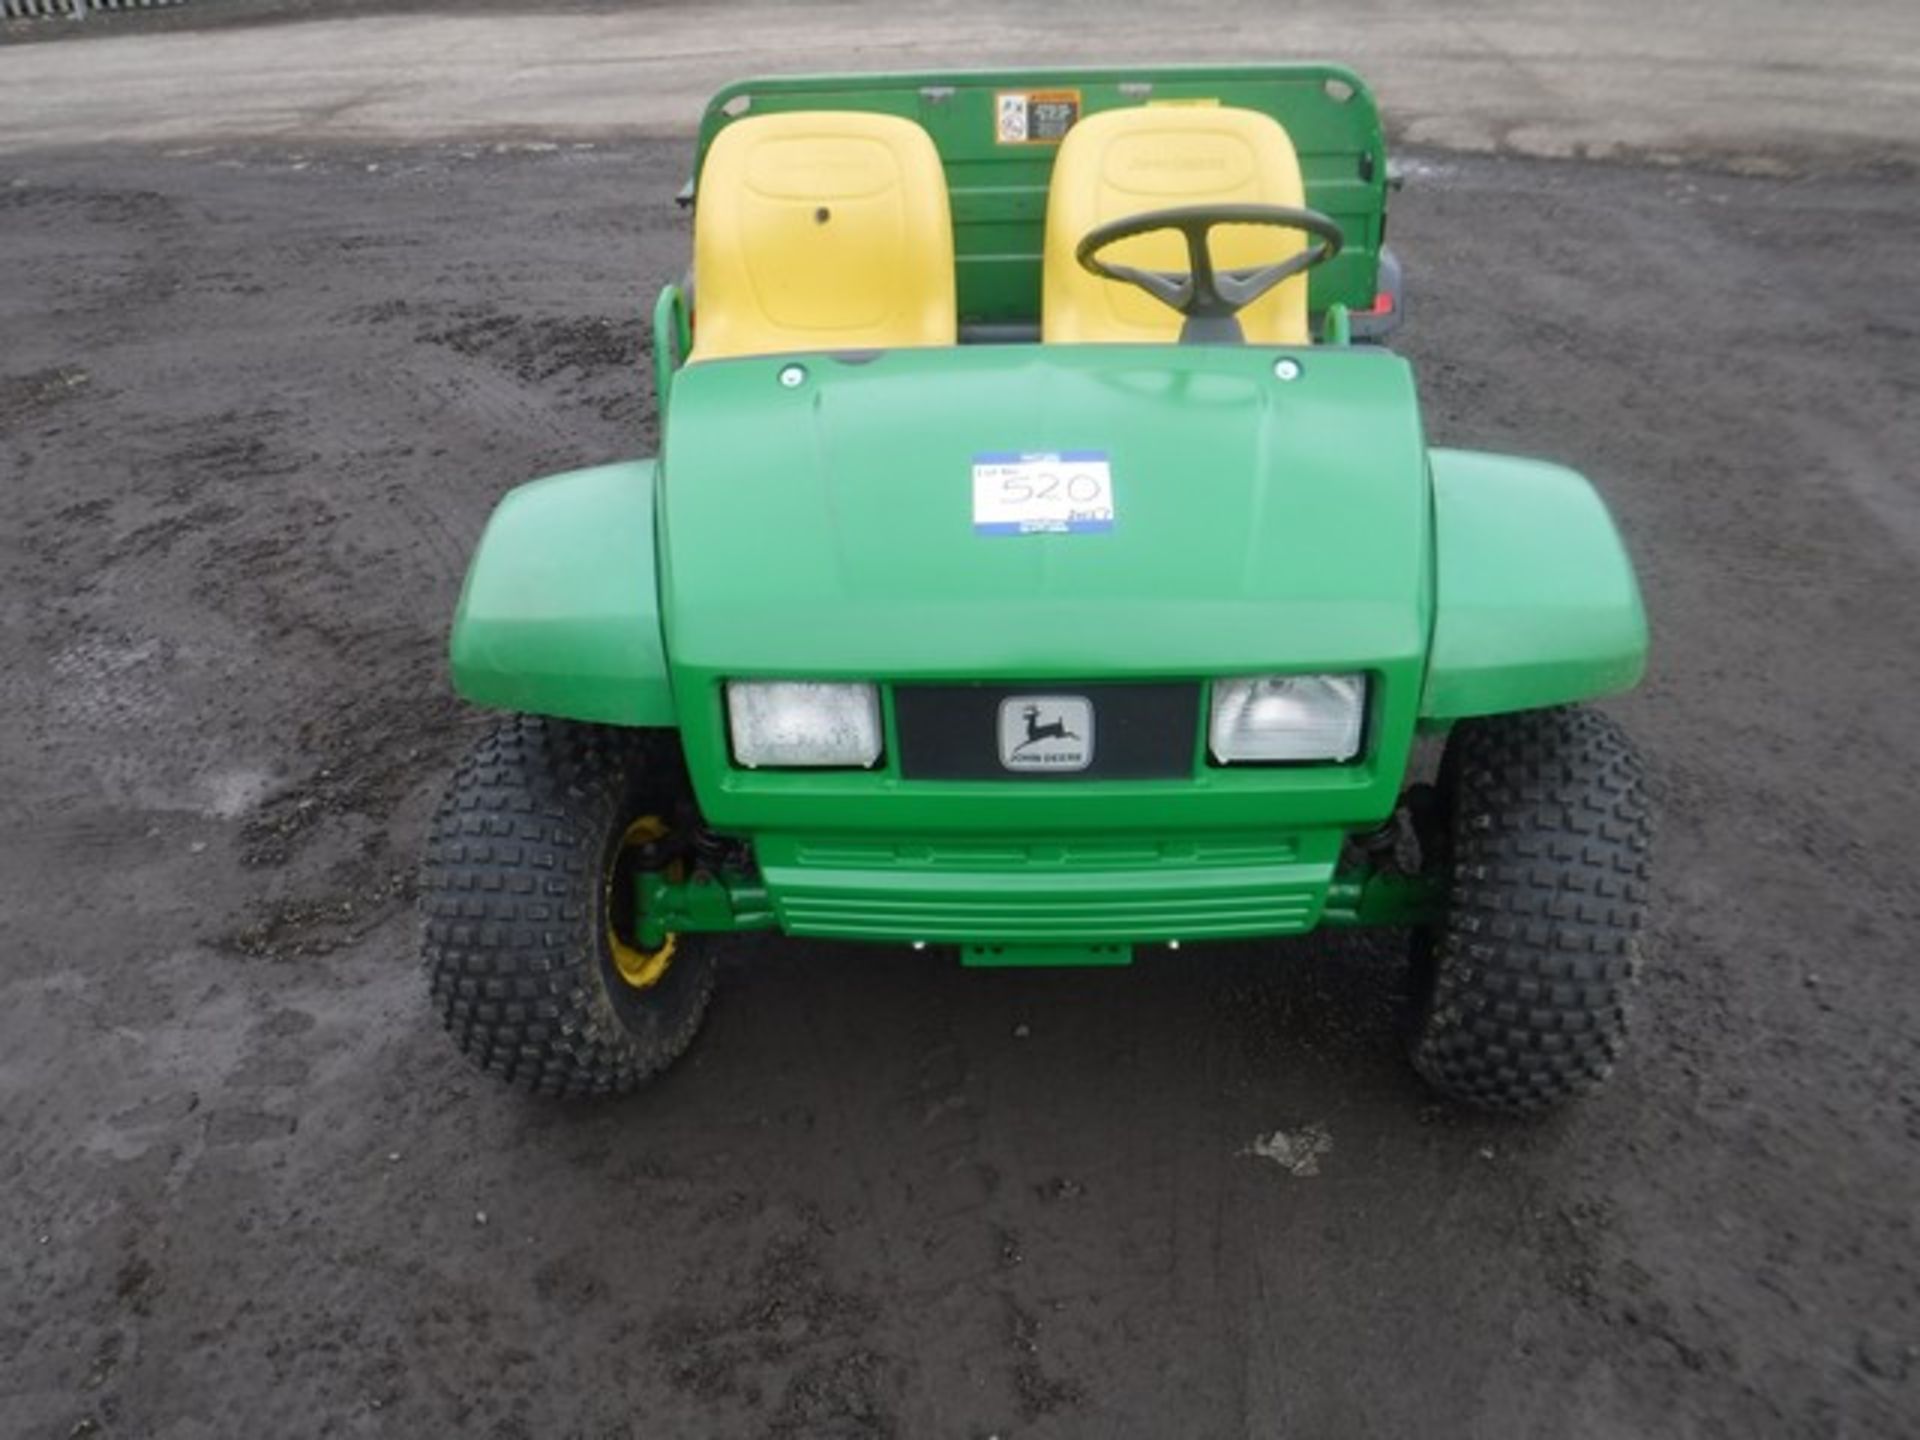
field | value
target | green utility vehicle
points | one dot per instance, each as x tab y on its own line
1044	560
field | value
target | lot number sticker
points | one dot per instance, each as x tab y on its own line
1064	492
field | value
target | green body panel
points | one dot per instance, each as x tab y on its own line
825	530
999	192
1537	602
560	614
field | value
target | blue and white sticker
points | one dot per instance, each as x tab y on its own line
1047	492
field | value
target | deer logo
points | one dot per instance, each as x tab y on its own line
1036	732
1046	732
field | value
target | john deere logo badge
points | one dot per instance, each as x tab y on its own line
1046	732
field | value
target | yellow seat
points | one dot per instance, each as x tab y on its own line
821	230
1156	157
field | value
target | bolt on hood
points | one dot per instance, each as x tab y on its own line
827	527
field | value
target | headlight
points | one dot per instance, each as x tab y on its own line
1287	717
798	722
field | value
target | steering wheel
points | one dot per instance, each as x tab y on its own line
1210	299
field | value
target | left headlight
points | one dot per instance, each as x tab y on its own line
1276	718
802	722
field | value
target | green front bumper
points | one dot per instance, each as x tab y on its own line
1048	897
1077	890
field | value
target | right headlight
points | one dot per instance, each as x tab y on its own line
1276	718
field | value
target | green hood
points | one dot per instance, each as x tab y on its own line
827	527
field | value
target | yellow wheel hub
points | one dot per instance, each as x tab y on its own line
642	969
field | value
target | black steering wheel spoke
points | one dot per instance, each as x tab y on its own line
1210	299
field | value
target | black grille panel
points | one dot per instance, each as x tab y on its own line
1141	732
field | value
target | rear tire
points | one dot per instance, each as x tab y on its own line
516	890
1543	846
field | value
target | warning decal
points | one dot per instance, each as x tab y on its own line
1034	117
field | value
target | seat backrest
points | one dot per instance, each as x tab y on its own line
1156	157
821	230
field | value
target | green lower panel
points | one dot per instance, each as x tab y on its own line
1077	891
989	957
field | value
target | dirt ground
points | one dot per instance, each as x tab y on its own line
254	408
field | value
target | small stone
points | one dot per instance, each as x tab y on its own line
1486	1152
1021	1032
1299	1153
393	1157
198	847
479	1217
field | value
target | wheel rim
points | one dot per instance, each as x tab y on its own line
638	968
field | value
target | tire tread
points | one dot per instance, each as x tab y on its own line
1537	960
513	918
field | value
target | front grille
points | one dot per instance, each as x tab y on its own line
1075	854
1039	918
1117	890
956	732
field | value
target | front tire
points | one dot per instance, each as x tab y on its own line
521	945
1542	844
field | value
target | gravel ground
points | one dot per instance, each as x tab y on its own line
203	15
1772	87
254	407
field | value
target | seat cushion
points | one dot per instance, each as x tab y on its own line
821	230
1124	162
